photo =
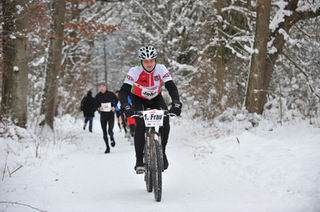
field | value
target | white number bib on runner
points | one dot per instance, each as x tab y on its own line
153	118
105	107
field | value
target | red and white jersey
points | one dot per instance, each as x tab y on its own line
147	85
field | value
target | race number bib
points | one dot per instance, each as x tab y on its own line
149	93
105	107
153	118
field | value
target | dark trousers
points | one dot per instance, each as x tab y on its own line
86	120
139	139
124	122
107	119
121	118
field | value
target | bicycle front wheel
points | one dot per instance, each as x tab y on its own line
157	166
147	160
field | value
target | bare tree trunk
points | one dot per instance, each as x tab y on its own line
260	76
54	62
1	50
248	4
15	69
279	40
220	54
256	92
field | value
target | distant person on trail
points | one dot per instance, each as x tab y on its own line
144	84
120	116
106	102
88	109
131	122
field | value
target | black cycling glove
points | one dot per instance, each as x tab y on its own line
176	108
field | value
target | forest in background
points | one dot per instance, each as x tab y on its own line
240	55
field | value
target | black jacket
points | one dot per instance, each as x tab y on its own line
106	97
88	105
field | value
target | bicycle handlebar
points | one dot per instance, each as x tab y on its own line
139	114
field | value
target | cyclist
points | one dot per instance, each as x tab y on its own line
144	82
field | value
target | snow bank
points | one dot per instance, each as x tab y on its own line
227	165
21	148
281	161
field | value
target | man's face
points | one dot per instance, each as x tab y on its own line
149	64
102	88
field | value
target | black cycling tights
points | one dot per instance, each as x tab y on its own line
139	139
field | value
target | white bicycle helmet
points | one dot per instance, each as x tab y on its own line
147	52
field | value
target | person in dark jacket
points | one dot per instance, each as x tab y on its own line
88	108
106	102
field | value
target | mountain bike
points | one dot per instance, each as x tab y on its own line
153	156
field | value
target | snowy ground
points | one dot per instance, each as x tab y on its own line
266	171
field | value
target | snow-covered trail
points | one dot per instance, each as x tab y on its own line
267	171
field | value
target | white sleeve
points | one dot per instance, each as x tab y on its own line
165	74
131	76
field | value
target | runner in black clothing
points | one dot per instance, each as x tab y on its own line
106	102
